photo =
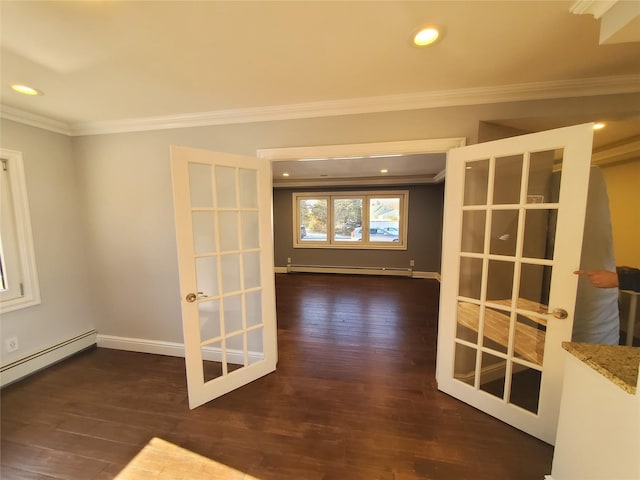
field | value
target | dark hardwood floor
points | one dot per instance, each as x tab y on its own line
354	397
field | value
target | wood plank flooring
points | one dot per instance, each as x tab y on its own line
354	398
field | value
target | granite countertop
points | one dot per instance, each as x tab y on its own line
618	363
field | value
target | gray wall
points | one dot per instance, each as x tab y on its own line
59	244
423	243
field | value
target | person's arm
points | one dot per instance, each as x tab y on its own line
600	278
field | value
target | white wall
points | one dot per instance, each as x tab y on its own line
59	245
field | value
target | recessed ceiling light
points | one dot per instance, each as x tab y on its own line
426	36
285	174
599	125
384	170
25	90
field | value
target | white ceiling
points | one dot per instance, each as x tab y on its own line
110	66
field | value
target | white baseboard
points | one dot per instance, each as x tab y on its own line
429	275
361	271
19	369
141	345
171	349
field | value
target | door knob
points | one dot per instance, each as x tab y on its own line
191	297
560	313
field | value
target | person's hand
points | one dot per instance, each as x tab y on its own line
600	278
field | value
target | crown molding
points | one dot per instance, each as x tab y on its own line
34	120
611	85
597	8
621	152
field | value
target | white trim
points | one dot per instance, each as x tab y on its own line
597	8
428	275
365	242
172	349
358	271
618	153
45	358
24	234
397	272
618	84
34	120
360	181
405	147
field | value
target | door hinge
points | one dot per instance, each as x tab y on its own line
5	165
22	289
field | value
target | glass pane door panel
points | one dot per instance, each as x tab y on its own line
253	307
476	181
212	361
468	322
473	224
465	364
535	282
230	265
228	222
207	275
347	215
201	192
470	277
255	345
209	314
525	387
226	187
500	281
528	342
251	266
508	177
539	233
235	352
504	232
248	188
250	230
496	329
203	232
544	176
492	374
232	314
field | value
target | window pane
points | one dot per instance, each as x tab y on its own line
313	219
347	217
384	219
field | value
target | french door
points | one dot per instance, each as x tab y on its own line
222	206
513	224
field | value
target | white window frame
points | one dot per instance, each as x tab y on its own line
365	243
25	278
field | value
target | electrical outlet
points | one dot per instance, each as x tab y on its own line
288	259
412	263
12	344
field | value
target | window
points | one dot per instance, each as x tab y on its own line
371	220
18	277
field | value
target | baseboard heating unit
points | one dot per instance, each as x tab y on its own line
44	358
403	272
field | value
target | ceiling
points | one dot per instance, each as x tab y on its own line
108	66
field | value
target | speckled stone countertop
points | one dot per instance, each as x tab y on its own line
618	363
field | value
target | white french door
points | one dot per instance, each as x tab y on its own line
513	225
222	206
